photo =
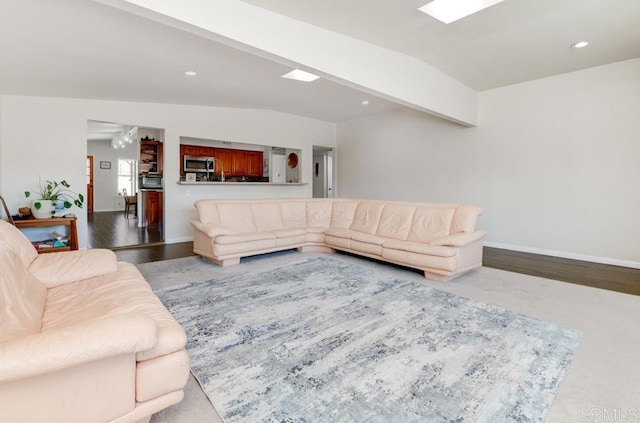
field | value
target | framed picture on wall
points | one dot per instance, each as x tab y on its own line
105	165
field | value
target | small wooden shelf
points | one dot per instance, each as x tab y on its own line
54	221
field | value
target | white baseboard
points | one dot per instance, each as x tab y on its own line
178	240
107	210
564	254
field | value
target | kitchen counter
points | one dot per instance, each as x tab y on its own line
242	183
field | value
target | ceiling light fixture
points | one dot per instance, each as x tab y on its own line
300	75
190	73
365	102
580	44
449	11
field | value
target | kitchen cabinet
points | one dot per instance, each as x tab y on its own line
225	158
153	207
239	162
254	163
233	162
196	150
150	156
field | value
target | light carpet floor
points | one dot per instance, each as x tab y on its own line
601	377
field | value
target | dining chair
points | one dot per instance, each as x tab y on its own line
130	204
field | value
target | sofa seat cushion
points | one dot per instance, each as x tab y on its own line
124	291
367	243
244	238
252	247
315	235
419	260
368	238
420	248
339	233
22	298
290	237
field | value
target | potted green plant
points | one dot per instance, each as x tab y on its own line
50	194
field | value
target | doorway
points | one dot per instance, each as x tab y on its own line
113	154
323	185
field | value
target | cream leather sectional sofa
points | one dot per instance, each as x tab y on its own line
439	239
83	338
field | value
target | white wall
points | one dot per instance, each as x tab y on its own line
555	163
47	136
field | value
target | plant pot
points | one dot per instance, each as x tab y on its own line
45	210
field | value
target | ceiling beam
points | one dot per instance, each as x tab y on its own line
363	66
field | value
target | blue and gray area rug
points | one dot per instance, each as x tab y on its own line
322	340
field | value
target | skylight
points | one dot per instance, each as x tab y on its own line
449	11
300	75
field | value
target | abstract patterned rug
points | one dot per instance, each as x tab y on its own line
322	340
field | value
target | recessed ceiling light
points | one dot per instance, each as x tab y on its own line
300	75
449	11
190	73
365	102
580	44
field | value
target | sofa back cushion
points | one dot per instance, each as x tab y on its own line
395	221
319	213
267	215
208	211
464	219
430	223
294	213
22	298
367	217
342	213
14	240
237	217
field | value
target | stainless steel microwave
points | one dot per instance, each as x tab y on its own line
151	181
198	164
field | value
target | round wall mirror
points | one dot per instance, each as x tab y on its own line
292	160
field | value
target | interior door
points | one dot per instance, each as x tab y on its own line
89	184
319	176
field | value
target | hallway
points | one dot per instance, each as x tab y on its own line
112	230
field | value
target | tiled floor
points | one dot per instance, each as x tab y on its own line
113	230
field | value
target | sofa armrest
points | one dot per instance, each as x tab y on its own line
210	230
72	266
93	340
460	239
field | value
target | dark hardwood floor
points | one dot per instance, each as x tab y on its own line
614	278
112	230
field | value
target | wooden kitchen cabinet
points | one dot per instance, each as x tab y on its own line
239	162
233	162
254	163
224	157
188	150
154	208
196	150
151	156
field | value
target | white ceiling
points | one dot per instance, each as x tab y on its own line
511	42
85	49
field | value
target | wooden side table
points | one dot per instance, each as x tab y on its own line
54	221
